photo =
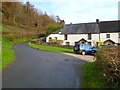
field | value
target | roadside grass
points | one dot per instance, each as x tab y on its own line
51	48
92	79
0	27
8	54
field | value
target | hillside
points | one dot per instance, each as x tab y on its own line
20	23
12	35
25	16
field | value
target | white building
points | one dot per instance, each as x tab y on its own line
89	33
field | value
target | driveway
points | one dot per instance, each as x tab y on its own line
34	68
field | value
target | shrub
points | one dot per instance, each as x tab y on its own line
52	28
108	62
52	40
59	42
39	41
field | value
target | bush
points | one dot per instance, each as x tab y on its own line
108	62
52	42
58	42
52	28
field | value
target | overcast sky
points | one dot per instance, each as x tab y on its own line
79	11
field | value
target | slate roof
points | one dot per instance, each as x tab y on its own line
83	28
86	28
109	26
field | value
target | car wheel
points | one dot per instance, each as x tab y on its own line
83	52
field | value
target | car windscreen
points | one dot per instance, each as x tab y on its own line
88	47
77	45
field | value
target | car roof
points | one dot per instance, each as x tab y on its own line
104	45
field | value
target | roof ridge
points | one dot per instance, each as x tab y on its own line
81	23
93	22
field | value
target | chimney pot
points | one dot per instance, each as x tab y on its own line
97	20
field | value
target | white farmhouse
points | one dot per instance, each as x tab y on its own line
107	32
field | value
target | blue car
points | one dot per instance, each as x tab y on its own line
102	46
84	49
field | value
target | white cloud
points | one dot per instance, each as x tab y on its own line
77	11
72	0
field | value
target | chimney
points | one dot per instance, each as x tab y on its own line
97	21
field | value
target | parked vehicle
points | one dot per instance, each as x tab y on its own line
84	49
102	46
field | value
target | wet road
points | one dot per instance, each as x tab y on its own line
34	68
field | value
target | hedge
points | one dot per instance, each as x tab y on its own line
108	62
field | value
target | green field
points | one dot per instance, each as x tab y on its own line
51	48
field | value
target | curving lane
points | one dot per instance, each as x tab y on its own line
34	68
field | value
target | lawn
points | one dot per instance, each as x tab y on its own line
51	48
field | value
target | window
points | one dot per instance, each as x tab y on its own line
65	37
107	35
50	37
89	36
67	43
55	38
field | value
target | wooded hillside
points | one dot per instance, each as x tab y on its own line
25	16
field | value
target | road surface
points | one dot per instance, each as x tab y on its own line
34	68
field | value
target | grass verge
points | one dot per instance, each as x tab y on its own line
92	79
51	48
7	52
